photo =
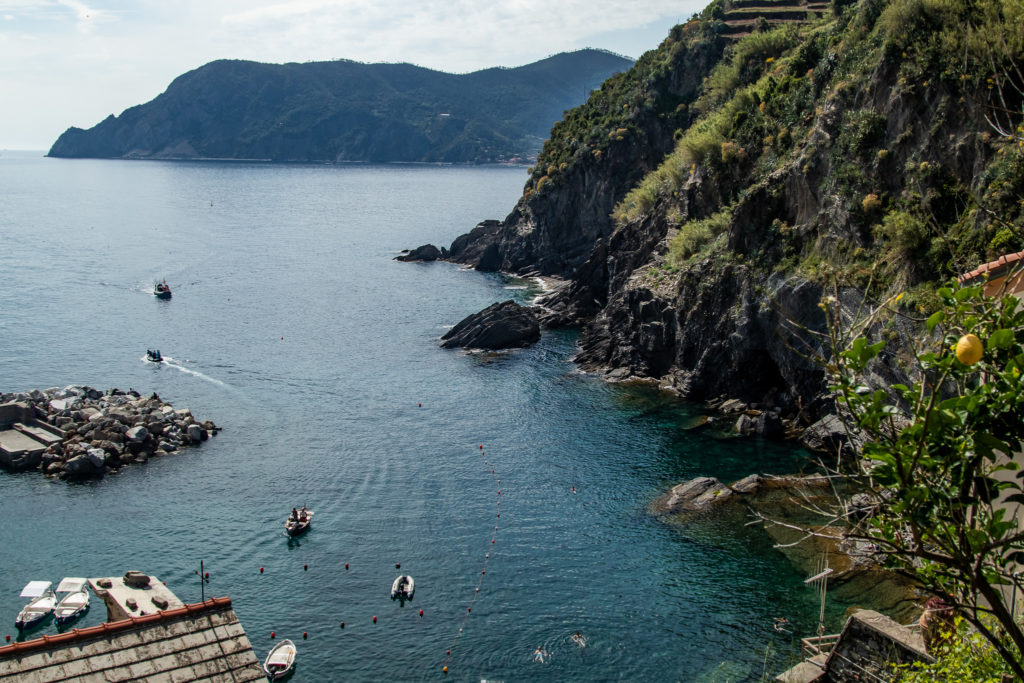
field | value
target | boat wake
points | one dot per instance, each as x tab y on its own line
172	363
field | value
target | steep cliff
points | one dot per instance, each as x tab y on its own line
348	111
856	152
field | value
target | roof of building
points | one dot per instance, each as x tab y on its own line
995	268
197	642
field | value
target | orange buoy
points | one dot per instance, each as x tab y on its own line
261	570
470	609
481	446
375	618
8	638
492	540
445	669
421	613
271	635
346	565
207	575
303	635
419	405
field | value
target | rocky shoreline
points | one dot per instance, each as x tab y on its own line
85	433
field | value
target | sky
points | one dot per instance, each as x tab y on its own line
74	62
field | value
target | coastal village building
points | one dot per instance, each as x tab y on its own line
141	641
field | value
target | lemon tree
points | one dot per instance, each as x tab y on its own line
936	457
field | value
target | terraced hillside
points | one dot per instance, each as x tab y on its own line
743	17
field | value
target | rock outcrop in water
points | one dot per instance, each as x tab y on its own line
97	433
858	573
502	325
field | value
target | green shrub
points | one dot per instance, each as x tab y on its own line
695	234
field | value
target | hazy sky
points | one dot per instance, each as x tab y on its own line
71	63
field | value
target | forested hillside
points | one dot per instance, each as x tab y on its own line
348	111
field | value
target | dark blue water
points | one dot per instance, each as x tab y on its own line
293	329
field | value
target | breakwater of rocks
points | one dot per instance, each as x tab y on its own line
83	432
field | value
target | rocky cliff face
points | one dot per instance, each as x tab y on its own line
845	157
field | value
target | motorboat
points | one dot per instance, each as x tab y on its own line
298	521
39	607
154	356
280	660
162	290
75	601
403	587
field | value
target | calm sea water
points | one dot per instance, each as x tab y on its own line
293	329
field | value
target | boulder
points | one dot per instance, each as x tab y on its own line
427	252
195	433
827	435
137	434
97	456
499	326
81	466
769	425
746	424
696	495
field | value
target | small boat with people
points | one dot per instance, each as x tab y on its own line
75	601
162	290
41	605
403	588
153	355
298	521
280	660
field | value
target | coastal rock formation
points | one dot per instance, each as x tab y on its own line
90	433
784	503
427	252
499	326
702	204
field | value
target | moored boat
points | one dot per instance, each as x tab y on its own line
162	290
280	660
298	521
39	607
403	587
74	603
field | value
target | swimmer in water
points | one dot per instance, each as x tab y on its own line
579	639
538	655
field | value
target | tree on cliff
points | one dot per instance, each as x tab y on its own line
939	488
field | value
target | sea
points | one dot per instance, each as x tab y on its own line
511	486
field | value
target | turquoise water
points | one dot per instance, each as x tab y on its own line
293	329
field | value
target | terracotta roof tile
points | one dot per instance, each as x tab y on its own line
202	641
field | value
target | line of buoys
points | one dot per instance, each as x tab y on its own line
483	572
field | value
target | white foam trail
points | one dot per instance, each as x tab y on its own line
171	363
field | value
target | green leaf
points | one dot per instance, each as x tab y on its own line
1001	339
934	319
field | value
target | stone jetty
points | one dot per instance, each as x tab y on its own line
79	432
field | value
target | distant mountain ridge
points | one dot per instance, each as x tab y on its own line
349	111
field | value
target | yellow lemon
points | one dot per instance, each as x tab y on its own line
969	349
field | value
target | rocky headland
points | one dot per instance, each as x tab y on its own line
84	433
